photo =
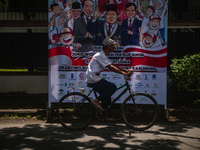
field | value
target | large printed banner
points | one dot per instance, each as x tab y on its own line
78	28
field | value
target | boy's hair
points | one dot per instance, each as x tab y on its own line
53	5
83	3
130	4
152	8
151	35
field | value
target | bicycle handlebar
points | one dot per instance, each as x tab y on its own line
127	78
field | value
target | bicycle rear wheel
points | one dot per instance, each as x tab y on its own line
75	111
139	111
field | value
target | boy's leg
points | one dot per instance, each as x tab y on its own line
105	89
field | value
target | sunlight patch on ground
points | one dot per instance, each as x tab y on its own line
84	139
111	145
34	138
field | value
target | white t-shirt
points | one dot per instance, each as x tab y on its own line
145	23
98	62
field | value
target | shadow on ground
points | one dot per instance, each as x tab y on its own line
165	135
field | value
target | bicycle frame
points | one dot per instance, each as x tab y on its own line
118	97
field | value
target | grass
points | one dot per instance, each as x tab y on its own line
18	116
39	116
6	115
13	70
15	116
28	116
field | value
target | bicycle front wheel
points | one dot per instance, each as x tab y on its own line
139	111
75	111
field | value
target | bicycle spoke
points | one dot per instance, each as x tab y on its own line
74	111
139	111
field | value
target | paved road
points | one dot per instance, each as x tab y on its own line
38	135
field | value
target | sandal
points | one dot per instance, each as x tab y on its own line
97	105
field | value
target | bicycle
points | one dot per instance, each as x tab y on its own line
139	110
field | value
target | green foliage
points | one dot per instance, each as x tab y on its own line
38	116
6	115
28	116
186	74
15	116
197	102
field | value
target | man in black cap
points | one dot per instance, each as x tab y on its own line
75	14
110	28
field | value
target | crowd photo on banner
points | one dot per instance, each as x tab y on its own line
77	29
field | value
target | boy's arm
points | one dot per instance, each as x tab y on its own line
139	7
150	3
164	9
140	31
119	70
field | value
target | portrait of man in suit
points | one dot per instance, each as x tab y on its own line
75	14
82	29
132	24
110	28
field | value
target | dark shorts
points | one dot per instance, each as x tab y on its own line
105	89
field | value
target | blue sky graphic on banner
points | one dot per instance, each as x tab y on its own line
77	29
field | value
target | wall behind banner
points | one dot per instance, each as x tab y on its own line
76	32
